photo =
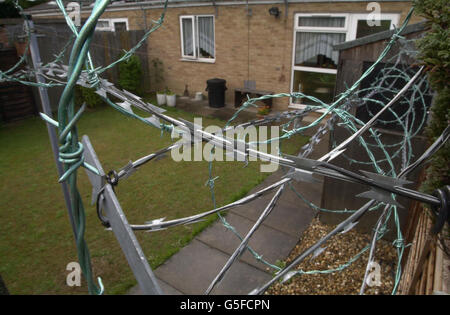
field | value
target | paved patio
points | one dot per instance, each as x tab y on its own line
191	270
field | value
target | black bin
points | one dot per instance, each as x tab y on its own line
216	92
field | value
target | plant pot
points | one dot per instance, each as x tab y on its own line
198	96
263	111
161	98
171	100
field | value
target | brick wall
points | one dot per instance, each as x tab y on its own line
4	40
256	47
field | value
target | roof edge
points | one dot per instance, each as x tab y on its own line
43	8
413	28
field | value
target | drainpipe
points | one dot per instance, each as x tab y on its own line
249	14
286	7
144	13
216	9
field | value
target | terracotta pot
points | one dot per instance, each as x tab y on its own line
20	48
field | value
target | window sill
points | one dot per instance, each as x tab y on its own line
199	60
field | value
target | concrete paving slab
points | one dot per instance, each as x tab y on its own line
310	191
290	219
202	108
193	268
165	287
271	179
272	244
320	148
168	289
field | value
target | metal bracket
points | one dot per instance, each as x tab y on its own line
382	195
120	226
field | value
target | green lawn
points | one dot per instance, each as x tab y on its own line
36	241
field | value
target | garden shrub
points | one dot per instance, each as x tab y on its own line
130	75
88	96
434	53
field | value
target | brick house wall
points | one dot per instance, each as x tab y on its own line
257	47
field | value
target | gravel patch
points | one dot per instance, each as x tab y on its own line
339	250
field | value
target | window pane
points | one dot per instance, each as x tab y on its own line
364	29
321	21
188	37
102	24
316	49
206	37
120	26
319	85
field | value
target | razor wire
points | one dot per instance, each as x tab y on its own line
388	158
321	131
363	102
71	150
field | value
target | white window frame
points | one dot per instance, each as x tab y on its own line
103	28
195	38
110	27
322	29
394	17
194	43
120	20
351	22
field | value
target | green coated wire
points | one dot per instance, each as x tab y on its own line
24	55
342	96
399	243
71	149
130	52
5	75
353	128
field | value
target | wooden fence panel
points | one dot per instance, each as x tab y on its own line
423	266
16	99
105	48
